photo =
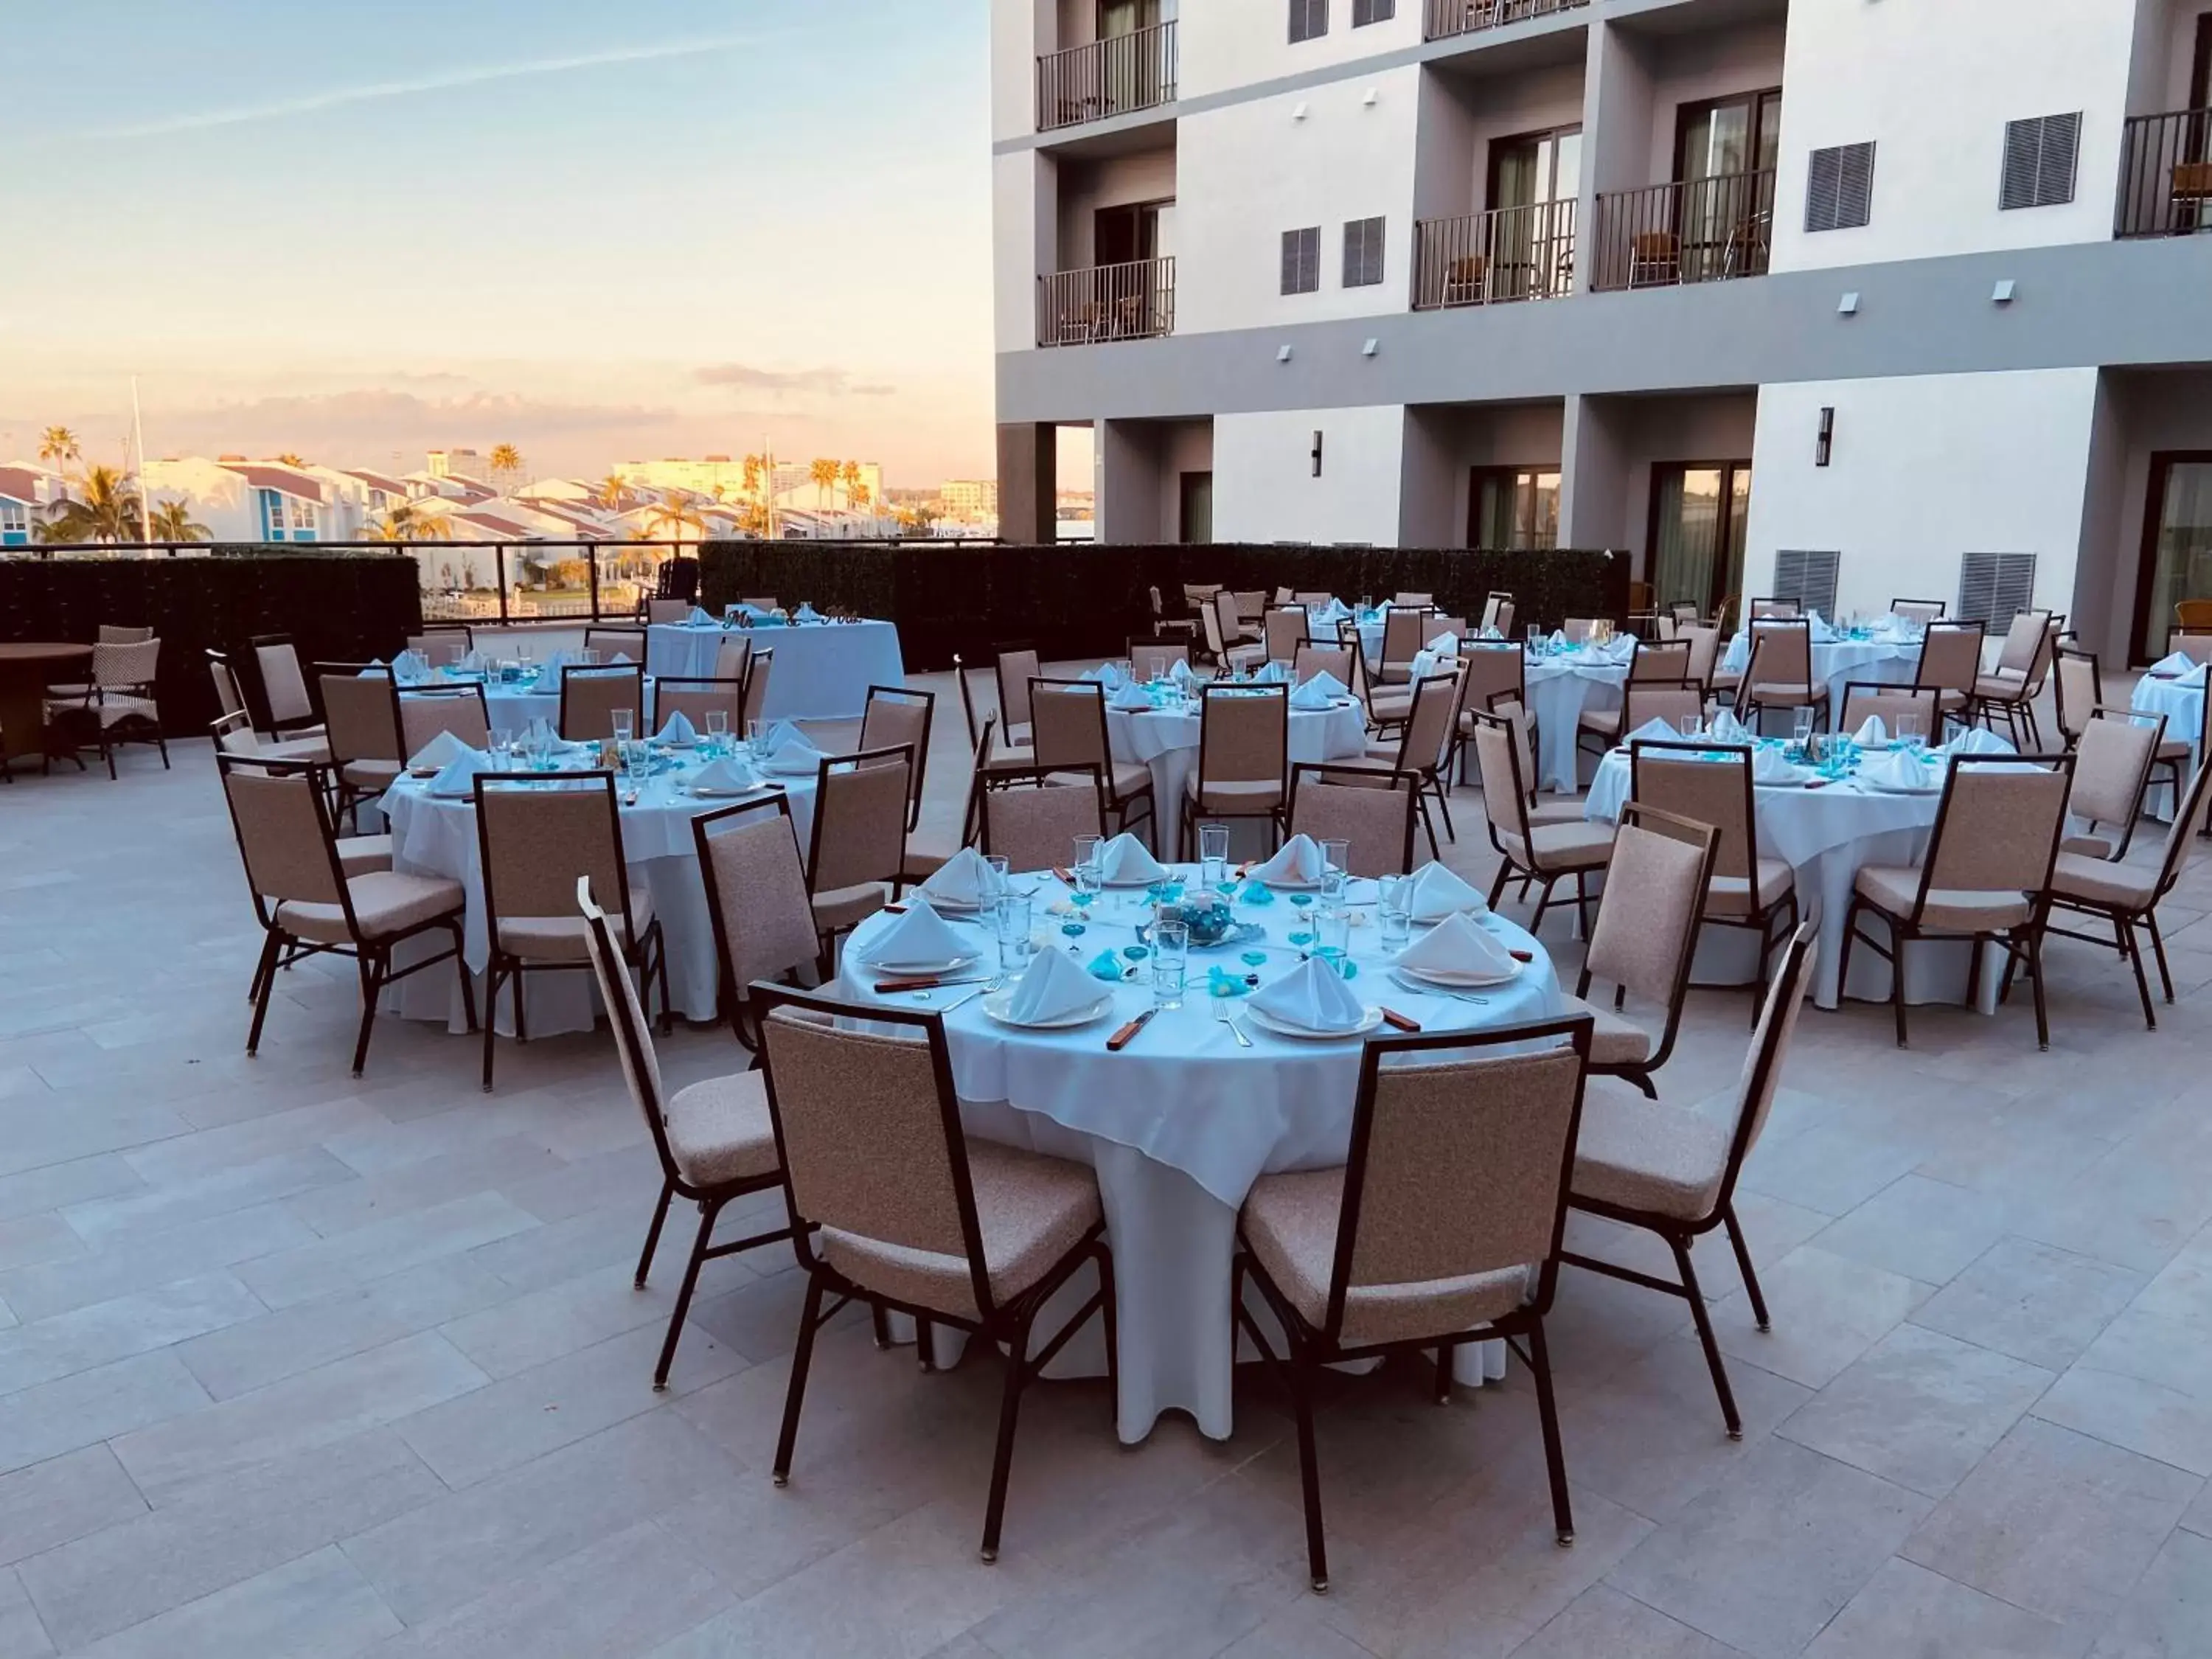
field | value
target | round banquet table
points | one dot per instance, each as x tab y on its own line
27	668
434	835
2181	700
822	670
1180	1124
1884	659
1166	741
1560	686
1826	835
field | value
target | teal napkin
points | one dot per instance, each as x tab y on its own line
1257	892
1221	983
1105	965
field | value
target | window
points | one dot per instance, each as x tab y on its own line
14	523
1302	261
303	521
1362	252
2039	157
1364	12
1807	580
1308	19
1513	508
1840	194
1994	587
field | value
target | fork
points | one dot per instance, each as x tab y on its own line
986	986
1223	1017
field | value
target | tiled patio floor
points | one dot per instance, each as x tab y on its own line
295	1364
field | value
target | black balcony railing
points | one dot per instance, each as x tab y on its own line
1449	17
1132	301
1507	253
1117	75
2166	175
1694	230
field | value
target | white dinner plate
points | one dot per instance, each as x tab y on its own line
1132	883
1415	978
1474	913
1902	789
995	1005
1285	884
1367	1022
918	969
709	792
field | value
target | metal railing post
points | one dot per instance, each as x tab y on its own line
499	575
591	565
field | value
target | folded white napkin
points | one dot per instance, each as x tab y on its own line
620	659
1457	945
678	729
1298	860
1979	740
2178	662
723	777
441	751
918	937
1768	765
1054	987
1108	674
1270	673
1445	645
1313	997
1871	732
1438	893
1125	858
551	667
962	881
1558	639
1179	671
806	612
1654	731
1322	692
1620	648
457	777
1423	666
1899	768
799	759
780	734
1130	698
1727	728
699	618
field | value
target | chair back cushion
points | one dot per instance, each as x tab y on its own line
1035	827
539	838
2111	763
359	719
1242	735
281	835
1376	817
424	714
759	889
281	683
589	697
1067	723
1709	791
1998	827
1950	656
859	832
1647	920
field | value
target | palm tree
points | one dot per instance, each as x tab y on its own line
408	521
859	497
290	458
752	519
172	522
671	515
58	445
613	492
106	510
851	474
506	459
824	473
754	465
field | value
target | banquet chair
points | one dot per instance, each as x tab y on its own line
1579	629
590	695
1491	604
1251	606
1181	627
459	709
228	695
696	700
443	647
1507	707
1149	658
284	688
1283	595
2111	770
1986	876
1423	746
2127	895
1017	665
234	737
1922	611
1746	891
1443	1226
1668	661
1705	640
1780	672
892	716
1224	642
613	642
2011	689
1487	671
118	705
1372	811
1685	612
533	845
2195	645
1419	601
1033	821
1527	851
1244	768
662	612
1283	631
2077	692
1950	664
1678	703
307	902
1435	625
1401	641
892	1205
1673	1171
733	656
361	715
1505	613
713	1137
1311	599
1068	720
762	602
1891	704
757	901
1336	660
1646	935
858	857
1199	595
994	756
760	667
1774	609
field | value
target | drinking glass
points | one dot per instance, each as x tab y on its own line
1213	855
1010	919
718	729
1801	729
1397	908
1693	726
995	886
1086	885
1333	883
1332	938
1909	734
625	726
1086	852
753	738
502	747
1336	856
541	743
1170	956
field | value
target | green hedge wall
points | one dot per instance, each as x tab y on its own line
337	607
1080	600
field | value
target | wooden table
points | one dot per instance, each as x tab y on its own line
26	670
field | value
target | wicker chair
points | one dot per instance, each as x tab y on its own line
118	705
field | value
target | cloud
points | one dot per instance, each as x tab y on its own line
340	97
777	382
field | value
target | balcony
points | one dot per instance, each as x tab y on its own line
1449	17
1131	301
2166	175
1695	230
1483	259
1117	75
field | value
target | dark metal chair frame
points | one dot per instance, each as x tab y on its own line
1758	628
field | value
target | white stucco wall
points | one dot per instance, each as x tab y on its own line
1025	210
1234	43
1264	489
1924	469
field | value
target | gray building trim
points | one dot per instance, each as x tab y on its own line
2133	304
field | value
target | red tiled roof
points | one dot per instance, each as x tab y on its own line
280	479
19	483
493	522
383	480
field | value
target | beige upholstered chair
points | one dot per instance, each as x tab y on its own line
1443	1226
1705	643
1182	629
1746	891
1223	635
757	899
1950	664
1528	851
1417	601
659	612
1507	706
1987	876
458	709
1493	604
589	697
1312	599
1422	745
1244	768
892	1205
1673	1171
538	834
1919	611
696	700
1780	672
442	647
1032	823
309	905
2196	645
1068	720
234	736
1372	811
733	656
1487	674
713	1137
361	730
1578	630
1663	668
119	706
1016	667
2012	687
1505	613
859	854
1283	631
2112	768
283	687
997	755
2077	692
1251	605
1894	706
1150	659
1646	935
760	669
228	694
893	717
1435	625
1779	609
1337	660
612	642
1401	643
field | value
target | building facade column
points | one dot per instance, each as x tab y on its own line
1029	484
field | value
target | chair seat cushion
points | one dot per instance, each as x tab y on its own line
374	774
1386	705
1893	888
563	938
358	855
300	749
1730	896
1030	1210
2087	847
1128	778
1604	722
1243	795
1614	1041
1579	844
1641	1155
848	907
1010	757
1779	692
718	1129
2094	881
1999	687
2174	749
1290	1222
384	903
1556	812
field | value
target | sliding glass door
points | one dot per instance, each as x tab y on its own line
2177	547
1511	508
1698	513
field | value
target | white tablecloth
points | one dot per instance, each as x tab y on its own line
1559	688
1166	741
1883	659
2182	703
438	837
1826	835
1178	1126
822	670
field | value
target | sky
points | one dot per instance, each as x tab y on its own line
600	230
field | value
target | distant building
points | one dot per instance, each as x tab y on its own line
455	462
25	493
970	499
